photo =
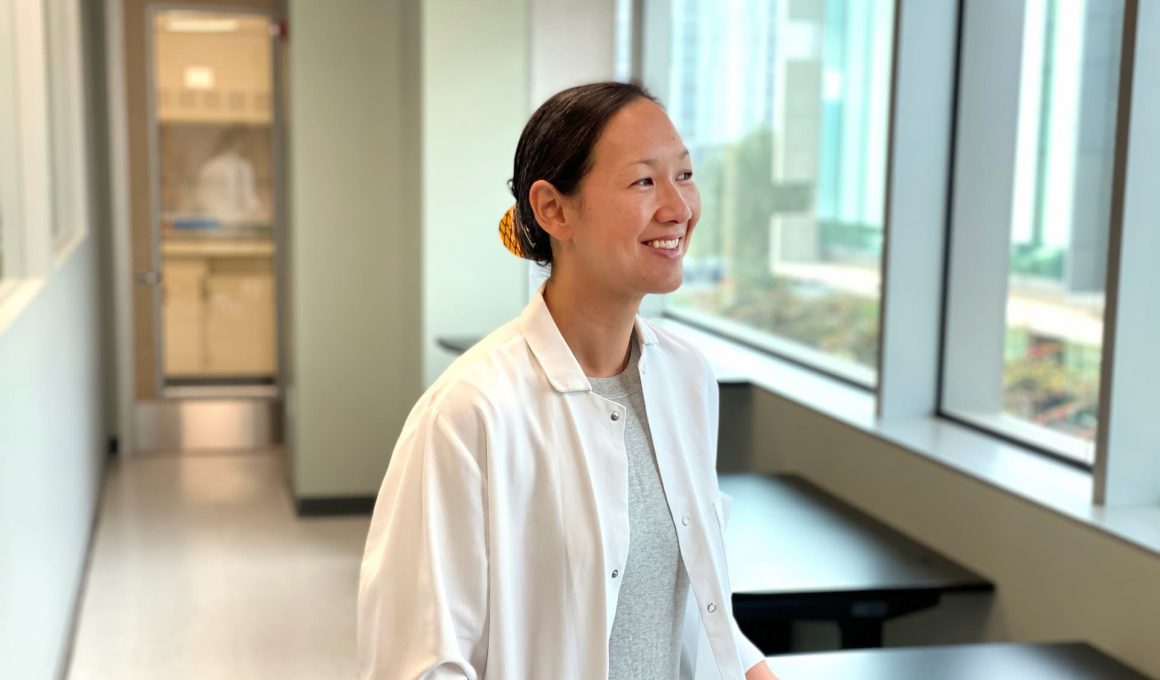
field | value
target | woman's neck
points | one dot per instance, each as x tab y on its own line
598	328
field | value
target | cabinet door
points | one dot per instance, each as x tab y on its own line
240	318
184	305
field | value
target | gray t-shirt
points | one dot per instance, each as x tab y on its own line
646	632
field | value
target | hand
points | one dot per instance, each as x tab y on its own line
760	672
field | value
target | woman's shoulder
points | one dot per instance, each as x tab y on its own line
484	377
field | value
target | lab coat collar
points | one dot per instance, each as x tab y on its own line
552	352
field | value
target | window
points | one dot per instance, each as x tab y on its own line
66	86
1030	243
784	107
42	164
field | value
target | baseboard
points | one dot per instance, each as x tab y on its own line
335	505
74	622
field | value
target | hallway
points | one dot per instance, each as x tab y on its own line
200	569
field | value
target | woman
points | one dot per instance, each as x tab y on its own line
536	521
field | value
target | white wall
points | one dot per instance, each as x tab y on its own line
52	451
1055	578
55	419
354	240
572	43
395	203
475	104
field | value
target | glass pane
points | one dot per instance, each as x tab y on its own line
63	97
214	111
784	107
1059	221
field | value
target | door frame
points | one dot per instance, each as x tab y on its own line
120	227
121	218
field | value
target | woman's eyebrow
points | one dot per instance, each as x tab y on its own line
655	161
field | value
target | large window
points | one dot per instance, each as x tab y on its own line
1005	276
784	106
1025	340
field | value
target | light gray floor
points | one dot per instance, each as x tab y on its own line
200	569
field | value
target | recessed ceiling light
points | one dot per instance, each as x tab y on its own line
190	24
199	78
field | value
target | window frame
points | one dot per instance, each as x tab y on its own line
987	137
986	144
921	155
30	200
1127	466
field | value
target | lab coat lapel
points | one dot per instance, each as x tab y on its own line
593	484
680	439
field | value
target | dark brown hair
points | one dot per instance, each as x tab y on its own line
556	145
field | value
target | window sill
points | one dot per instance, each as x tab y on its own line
15	296
65	246
1023	473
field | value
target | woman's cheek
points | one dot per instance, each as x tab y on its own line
693	198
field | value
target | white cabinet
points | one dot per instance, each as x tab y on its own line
239	319
184	308
219	311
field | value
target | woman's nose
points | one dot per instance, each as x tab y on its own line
674	206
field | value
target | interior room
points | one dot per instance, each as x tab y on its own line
245	243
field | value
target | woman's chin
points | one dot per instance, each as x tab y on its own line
666	285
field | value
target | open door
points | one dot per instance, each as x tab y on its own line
205	195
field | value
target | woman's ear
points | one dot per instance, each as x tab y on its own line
548	205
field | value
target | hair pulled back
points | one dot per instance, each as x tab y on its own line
557	145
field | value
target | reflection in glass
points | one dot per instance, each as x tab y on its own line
785	113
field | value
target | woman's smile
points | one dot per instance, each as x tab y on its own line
667	248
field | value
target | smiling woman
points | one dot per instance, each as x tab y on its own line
536	516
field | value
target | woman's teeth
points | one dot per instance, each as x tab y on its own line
666	245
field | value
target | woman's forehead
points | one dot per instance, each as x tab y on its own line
641	132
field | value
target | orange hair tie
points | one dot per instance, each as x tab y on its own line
508	226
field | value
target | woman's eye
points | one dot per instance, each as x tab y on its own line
686	175
643	182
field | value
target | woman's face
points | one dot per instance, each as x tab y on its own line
636	208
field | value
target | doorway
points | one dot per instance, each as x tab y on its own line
204	122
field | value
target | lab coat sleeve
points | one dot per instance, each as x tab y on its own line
422	607
750	654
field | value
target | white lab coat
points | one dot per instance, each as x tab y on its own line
226	188
504	515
